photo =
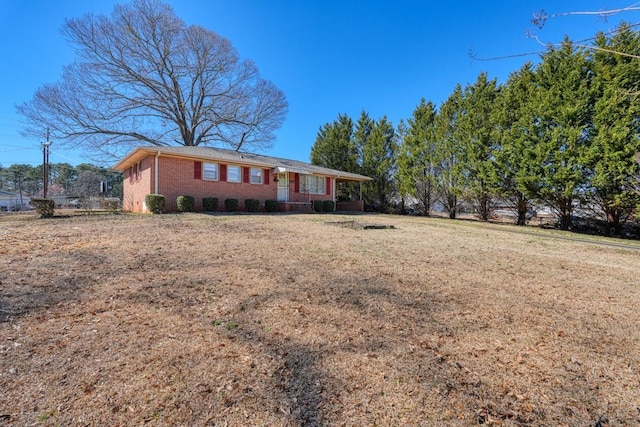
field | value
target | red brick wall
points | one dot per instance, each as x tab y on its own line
137	185
176	178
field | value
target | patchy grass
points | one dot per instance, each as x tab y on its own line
283	320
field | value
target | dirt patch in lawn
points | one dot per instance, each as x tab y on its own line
283	320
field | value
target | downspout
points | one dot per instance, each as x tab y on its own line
155	175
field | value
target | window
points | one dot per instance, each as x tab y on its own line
135	172
210	171
312	184
256	176
233	173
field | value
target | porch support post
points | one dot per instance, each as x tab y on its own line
335	183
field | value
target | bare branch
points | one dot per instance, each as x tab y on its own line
143	76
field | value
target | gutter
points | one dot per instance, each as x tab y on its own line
155	177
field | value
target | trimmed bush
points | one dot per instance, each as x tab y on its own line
318	205
328	206
44	207
155	203
252	205
231	205
209	204
185	203
271	206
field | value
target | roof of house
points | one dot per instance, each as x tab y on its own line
218	154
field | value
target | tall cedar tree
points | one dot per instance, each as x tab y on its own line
614	170
448	153
476	131
416	174
564	103
378	162
403	184
335	148
516	162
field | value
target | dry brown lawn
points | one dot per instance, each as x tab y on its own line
285	320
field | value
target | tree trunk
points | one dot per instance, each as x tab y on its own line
522	207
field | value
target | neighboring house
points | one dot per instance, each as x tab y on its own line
12	201
225	174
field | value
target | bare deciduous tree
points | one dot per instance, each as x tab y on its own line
143	76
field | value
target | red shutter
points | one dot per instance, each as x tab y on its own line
328	185
265	176
197	170
131	174
245	174
223	172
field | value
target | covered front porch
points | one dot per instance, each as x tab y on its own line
298	189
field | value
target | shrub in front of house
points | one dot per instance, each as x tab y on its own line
231	205
318	205
44	207
252	205
328	205
185	203
209	204
155	203
271	206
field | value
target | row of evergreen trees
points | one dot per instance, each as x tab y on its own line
559	133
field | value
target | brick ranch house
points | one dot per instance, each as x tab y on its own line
225	174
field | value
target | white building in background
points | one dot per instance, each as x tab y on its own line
12	201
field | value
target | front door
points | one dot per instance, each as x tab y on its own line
283	187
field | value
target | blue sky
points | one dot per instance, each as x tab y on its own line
330	57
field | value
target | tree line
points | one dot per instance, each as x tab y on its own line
65	180
562	133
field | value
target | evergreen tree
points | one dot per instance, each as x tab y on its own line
363	129
448	153
613	167
516	162
417	157
402	179
564	103
335	148
378	162
476	130
63	174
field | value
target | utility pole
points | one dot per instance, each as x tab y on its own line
45	166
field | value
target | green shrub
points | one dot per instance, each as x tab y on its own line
271	206
209	204
318	205
185	203
231	205
252	205
328	206
155	203
44	207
